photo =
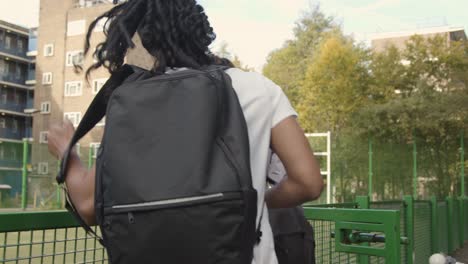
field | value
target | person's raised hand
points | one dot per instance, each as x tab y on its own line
59	137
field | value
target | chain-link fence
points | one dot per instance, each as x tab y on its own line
386	169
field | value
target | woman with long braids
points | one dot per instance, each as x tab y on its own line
177	34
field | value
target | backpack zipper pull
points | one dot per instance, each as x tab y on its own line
131	218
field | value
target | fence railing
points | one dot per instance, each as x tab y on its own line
406	231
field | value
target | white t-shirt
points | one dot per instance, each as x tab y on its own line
264	105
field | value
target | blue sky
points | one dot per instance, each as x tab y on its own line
253	28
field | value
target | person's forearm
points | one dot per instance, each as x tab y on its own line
80	185
285	194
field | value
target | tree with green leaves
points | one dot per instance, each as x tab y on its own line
287	65
420	93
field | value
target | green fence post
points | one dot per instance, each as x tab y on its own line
363	203
409	225
462	164
461	222
370	167
24	176
434	224
450	228
415	167
90	158
58	189
463	217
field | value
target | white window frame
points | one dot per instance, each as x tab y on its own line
74	117
70	58
43	137
76	28
42	168
98	83
78	149
45	107
47	78
95	146
2	122
101	25
102	122
74	88
48	47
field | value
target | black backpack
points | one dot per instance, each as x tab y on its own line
173	179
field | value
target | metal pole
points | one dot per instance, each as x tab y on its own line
24	175
370	167
462	164
328	167
415	167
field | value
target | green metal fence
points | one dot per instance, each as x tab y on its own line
393	205
406	231
46	237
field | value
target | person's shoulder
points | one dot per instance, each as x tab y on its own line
254	81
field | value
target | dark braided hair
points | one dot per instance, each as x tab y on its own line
176	33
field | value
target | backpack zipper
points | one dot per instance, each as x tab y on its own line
170	201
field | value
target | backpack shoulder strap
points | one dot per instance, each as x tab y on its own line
93	115
96	111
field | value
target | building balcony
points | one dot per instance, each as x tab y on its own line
15	107
8	133
11	163
12	78
14	52
31	79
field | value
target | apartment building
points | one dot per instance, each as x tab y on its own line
62	92
16	95
381	41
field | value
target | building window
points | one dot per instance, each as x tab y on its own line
17	98
48	50
2	66
74	58
18	72
20	45
14	128
97	84
13	153
2	152
78	149
74	117
2	122
47	78
75	28
94	148
7	42
73	88
43	137
42	168
45	108
4	97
